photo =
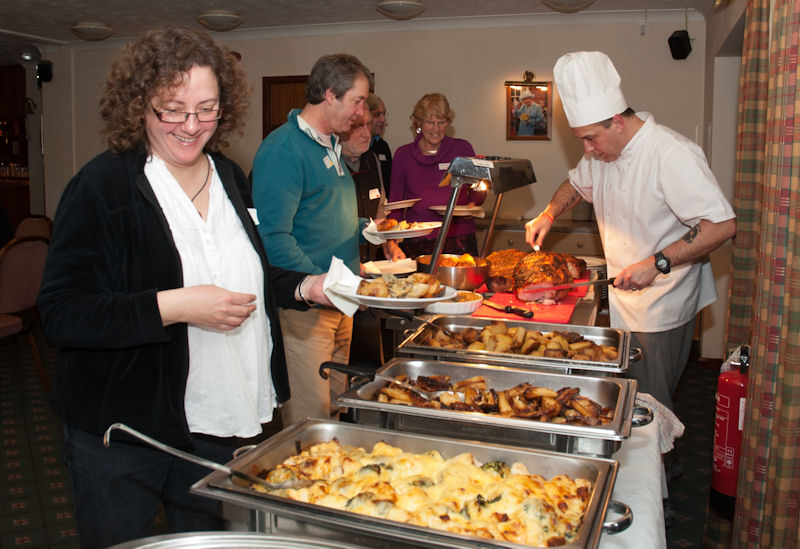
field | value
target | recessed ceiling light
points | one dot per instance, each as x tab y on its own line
567	6
219	20
401	9
87	30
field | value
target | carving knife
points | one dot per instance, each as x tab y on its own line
600	282
525	313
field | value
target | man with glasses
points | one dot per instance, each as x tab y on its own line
306	206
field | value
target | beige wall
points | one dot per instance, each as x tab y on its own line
468	64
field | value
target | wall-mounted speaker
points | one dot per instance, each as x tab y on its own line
44	71
680	45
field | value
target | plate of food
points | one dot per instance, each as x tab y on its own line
475	211
391	228
390	292
400	204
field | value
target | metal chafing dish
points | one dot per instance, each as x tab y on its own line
602	440
411	347
230	540
286	517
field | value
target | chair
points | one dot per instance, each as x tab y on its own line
21	268
35	225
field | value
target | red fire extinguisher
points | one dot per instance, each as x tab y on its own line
731	394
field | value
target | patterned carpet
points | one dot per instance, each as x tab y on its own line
37	502
37	507
695	406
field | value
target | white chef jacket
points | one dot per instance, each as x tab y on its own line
649	197
229	391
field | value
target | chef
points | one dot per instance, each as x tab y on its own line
659	212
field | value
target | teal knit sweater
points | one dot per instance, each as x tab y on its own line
307	212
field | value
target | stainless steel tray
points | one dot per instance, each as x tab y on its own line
602	440
600	335
287	517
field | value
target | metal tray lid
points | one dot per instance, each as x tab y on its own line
598	334
613	392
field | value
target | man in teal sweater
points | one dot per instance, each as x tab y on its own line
306	205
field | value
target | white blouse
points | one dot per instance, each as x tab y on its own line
648	198
229	391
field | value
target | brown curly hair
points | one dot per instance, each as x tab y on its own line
156	61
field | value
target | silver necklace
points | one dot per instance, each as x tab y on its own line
205	181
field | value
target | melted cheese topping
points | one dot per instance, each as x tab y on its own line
457	494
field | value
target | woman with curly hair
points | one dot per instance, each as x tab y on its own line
158	293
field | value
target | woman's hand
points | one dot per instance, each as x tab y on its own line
392	251
206	305
311	289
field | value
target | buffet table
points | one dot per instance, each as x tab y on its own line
639	486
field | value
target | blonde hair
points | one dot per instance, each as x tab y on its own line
431	104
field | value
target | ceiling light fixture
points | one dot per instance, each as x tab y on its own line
87	30
400	9
220	20
567	6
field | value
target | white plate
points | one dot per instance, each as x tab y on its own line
400	204
403	266
476	211
397	303
454	308
421	230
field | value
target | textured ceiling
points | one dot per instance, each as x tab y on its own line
26	22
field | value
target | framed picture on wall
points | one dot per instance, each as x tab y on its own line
529	107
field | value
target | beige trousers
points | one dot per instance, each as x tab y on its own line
311	338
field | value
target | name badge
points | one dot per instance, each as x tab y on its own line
374	194
253	215
444	166
382	157
328	162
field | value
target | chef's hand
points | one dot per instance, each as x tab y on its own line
637	276
392	251
536	229
311	288
205	305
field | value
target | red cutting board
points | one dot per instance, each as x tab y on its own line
560	313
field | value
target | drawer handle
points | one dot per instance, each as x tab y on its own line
579	244
510	242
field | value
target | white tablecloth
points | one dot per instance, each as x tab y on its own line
639	485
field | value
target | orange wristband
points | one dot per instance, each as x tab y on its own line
548	214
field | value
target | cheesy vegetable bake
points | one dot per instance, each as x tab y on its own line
490	500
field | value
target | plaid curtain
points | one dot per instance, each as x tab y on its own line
765	287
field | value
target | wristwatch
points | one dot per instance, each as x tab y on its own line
662	262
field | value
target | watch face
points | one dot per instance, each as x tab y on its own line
661	264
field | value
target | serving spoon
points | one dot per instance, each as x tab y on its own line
294	484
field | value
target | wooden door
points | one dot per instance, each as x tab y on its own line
280	95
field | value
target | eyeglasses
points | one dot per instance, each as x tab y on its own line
435	123
178	117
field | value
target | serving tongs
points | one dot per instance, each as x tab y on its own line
412	316
360	372
253	479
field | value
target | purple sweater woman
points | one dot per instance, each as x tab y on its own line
417	170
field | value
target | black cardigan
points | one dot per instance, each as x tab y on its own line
110	253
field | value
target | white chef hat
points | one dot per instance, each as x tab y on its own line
589	86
